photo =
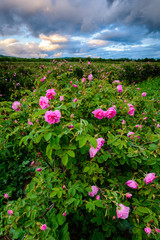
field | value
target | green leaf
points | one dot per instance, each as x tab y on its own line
70	201
86	169
71	153
93	142
49	152
82	142
39	137
60	218
148	218
65	159
40	112
143	209
47	136
90	206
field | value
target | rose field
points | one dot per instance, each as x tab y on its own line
79	150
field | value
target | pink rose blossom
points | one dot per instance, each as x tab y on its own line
100	86
70	82
125	101
149	178
128	195
131	111
147	230
116	81
94	191
144	94
75	100
110	113
93	151
119	88
89	63
42	79
71	126
132	184
114	217
123	122
32	163
138	88
122	211
43	227
29	122
64	214
63	186
10	212
52	117
130	133
145	118
99	113
15	121
6	195
16	106
72	115
157	230
90	77
39	169
98	197
61	98
44	102
50	93
74	85
83	80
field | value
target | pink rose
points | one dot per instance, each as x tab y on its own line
132	184
119	88
122	211
114	217
130	133
111	112
39	169
63	186
71	126
147	230
116	81
50	93
74	85
131	110
61	98
90	77
128	195
99	113
64	214
94	191
29	122
52	117
16	106
138	88
149	178
98	197
83	80
32	163
43	227
75	100
144	94
123	122
157	230
125	101
6	195
10	212
44	102
93	151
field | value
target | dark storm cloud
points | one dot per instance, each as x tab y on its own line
76	16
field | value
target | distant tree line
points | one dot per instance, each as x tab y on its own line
73	59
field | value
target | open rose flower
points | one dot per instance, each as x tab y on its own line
93	151
50	94
110	113
10	212
16	106
149	178
43	227
147	230
98	113
94	191
144	94
132	184
119	88
90	77
44	102
52	117
122	211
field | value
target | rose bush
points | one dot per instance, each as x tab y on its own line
71	165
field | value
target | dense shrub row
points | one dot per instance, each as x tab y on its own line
92	142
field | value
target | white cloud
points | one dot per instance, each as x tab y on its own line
54	38
57	55
46	45
96	42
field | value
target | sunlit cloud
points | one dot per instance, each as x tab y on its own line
97	42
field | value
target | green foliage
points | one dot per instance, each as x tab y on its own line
62	152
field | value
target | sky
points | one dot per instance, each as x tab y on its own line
80	28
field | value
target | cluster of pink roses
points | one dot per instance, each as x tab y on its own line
44	101
99	113
93	151
148	179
